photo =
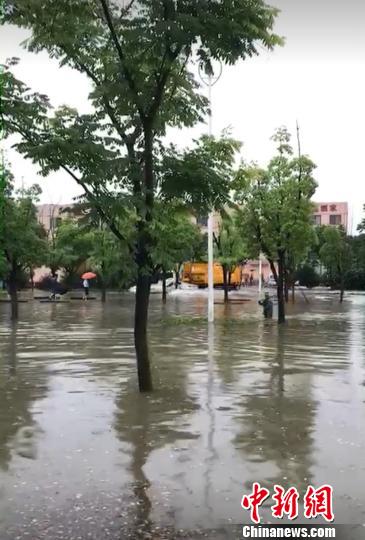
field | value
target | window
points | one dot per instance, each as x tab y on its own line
202	221
317	220
335	219
324	208
333	208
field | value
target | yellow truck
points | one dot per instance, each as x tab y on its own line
197	274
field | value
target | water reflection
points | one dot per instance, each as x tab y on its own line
277	421
18	391
149	423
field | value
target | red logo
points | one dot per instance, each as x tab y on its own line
255	500
317	502
286	503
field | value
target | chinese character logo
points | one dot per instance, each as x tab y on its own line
253	501
286	503
317	502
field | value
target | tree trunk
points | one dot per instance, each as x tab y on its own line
342	291
140	331
13	292
293	293
144	266
32	280
286	290
103	292
225	282
280	290
164	293
102	283
178	266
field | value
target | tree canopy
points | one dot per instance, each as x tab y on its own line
230	247
138	58
277	209
23	243
335	254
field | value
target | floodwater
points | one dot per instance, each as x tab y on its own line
83	455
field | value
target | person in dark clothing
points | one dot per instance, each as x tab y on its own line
54	285
267	305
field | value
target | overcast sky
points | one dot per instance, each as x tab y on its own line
317	78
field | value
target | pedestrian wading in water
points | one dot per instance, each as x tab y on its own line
267	305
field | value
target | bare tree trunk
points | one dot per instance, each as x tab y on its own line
342	291
103	292
225	282
102	283
280	290
32	280
286	289
13	292
164	292
178	266
293	293
140	331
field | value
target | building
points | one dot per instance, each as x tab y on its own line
331	213
51	215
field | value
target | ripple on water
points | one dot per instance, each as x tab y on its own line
273	405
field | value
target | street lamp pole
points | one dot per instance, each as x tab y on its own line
210	226
210	80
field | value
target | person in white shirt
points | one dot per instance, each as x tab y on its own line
85	284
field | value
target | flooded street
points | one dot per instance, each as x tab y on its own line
84	455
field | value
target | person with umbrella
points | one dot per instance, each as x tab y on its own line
85	283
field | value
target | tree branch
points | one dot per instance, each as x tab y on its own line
99	208
118	47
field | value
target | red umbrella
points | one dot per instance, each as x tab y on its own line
88	275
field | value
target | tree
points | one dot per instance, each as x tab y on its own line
177	239
199	177
108	256
109	260
71	248
23	241
307	276
230	249
137	59
355	274
361	226
336	255
276	209
4	188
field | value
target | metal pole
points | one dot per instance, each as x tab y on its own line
210	227
210	80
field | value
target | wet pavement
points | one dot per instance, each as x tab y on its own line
83	455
